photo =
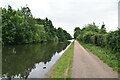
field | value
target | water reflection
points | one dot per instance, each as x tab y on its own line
21	60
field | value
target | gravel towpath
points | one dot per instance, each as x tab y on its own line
87	65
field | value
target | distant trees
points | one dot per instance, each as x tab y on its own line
99	37
63	35
19	27
76	32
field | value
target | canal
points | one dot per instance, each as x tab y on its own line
30	60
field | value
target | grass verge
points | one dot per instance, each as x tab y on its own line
63	68
106	55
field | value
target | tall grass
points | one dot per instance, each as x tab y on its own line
108	56
63	68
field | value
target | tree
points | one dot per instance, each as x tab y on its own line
103	29
93	35
20	27
77	31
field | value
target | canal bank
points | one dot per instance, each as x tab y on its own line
63	67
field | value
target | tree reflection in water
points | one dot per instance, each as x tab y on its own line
19	60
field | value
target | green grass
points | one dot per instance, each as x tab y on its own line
106	55
63	68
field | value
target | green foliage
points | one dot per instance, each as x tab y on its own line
109	43
87	37
19	27
113	40
99	37
63	35
77	31
90	27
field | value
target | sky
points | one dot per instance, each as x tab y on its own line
69	14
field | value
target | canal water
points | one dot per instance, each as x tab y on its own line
31	60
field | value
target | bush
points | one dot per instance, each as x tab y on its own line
91	34
113	39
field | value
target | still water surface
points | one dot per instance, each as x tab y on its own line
31	60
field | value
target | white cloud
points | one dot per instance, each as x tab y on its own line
71	13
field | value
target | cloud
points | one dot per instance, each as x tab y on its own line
71	13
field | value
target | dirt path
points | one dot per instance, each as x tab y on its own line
87	65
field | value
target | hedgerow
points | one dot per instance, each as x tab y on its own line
99	37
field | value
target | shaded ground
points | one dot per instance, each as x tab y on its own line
87	65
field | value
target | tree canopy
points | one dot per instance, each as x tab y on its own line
20	27
99	37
